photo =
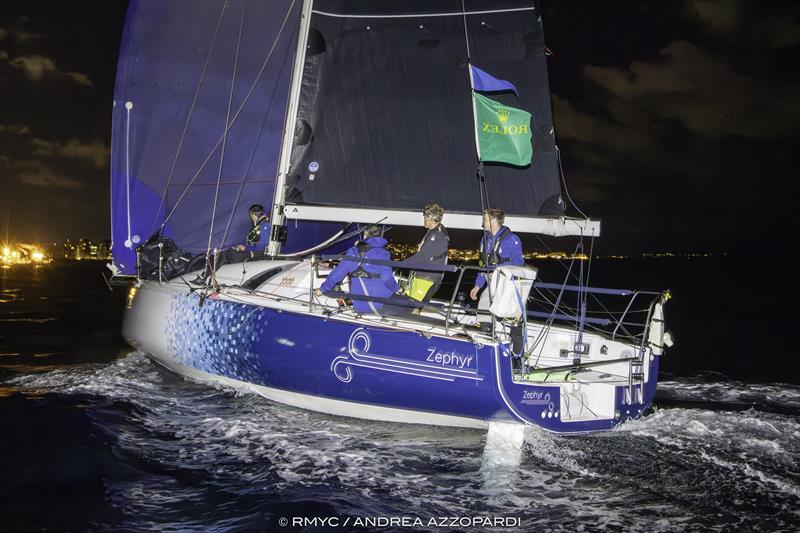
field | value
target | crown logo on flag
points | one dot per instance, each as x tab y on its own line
502	116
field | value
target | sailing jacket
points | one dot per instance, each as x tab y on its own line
432	249
502	248
258	238
365	278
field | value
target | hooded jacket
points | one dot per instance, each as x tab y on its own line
379	281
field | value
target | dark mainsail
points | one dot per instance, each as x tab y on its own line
385	118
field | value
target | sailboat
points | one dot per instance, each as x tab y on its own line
339	115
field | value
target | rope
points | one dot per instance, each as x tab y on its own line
564	181
236	115
484	195
560	262
189	116
224	143
466	35
249	164
548	323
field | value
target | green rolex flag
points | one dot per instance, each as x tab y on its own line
503	132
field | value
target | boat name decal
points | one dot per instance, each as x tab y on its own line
535	397
358	354
448	358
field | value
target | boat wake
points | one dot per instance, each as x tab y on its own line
781	398
197	458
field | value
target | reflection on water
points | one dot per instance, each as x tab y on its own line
109	440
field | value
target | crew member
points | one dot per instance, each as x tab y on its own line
254	246
499	246
367	279
432	249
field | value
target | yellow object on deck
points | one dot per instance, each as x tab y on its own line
542	374
417	288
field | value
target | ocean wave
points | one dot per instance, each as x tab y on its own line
780	396
197	446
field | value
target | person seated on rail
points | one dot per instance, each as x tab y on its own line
255	244
368	279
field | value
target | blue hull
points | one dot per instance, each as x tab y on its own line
363	365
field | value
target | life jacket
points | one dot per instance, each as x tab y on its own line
254	237
359	272
441	229
494	257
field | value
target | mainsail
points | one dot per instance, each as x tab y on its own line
385	120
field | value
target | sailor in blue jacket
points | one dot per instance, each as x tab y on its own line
366	279
499	246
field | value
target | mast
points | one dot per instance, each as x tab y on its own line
277	219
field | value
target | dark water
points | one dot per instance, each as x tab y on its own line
97	437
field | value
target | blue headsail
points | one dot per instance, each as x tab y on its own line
186	68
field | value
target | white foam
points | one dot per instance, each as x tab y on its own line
250	444
784	395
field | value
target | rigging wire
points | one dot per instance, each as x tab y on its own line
189	116
247	169
110	183
574	277
564	181
549	322
224	143
482	192
236	115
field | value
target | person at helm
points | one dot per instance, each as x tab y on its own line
366	279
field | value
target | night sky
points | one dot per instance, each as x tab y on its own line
678	121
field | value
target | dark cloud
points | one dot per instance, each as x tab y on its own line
94	151
679	123
702	91
57	65
776	25
38	68
18	35
40	175
17	129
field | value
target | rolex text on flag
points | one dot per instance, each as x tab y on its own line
503	132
